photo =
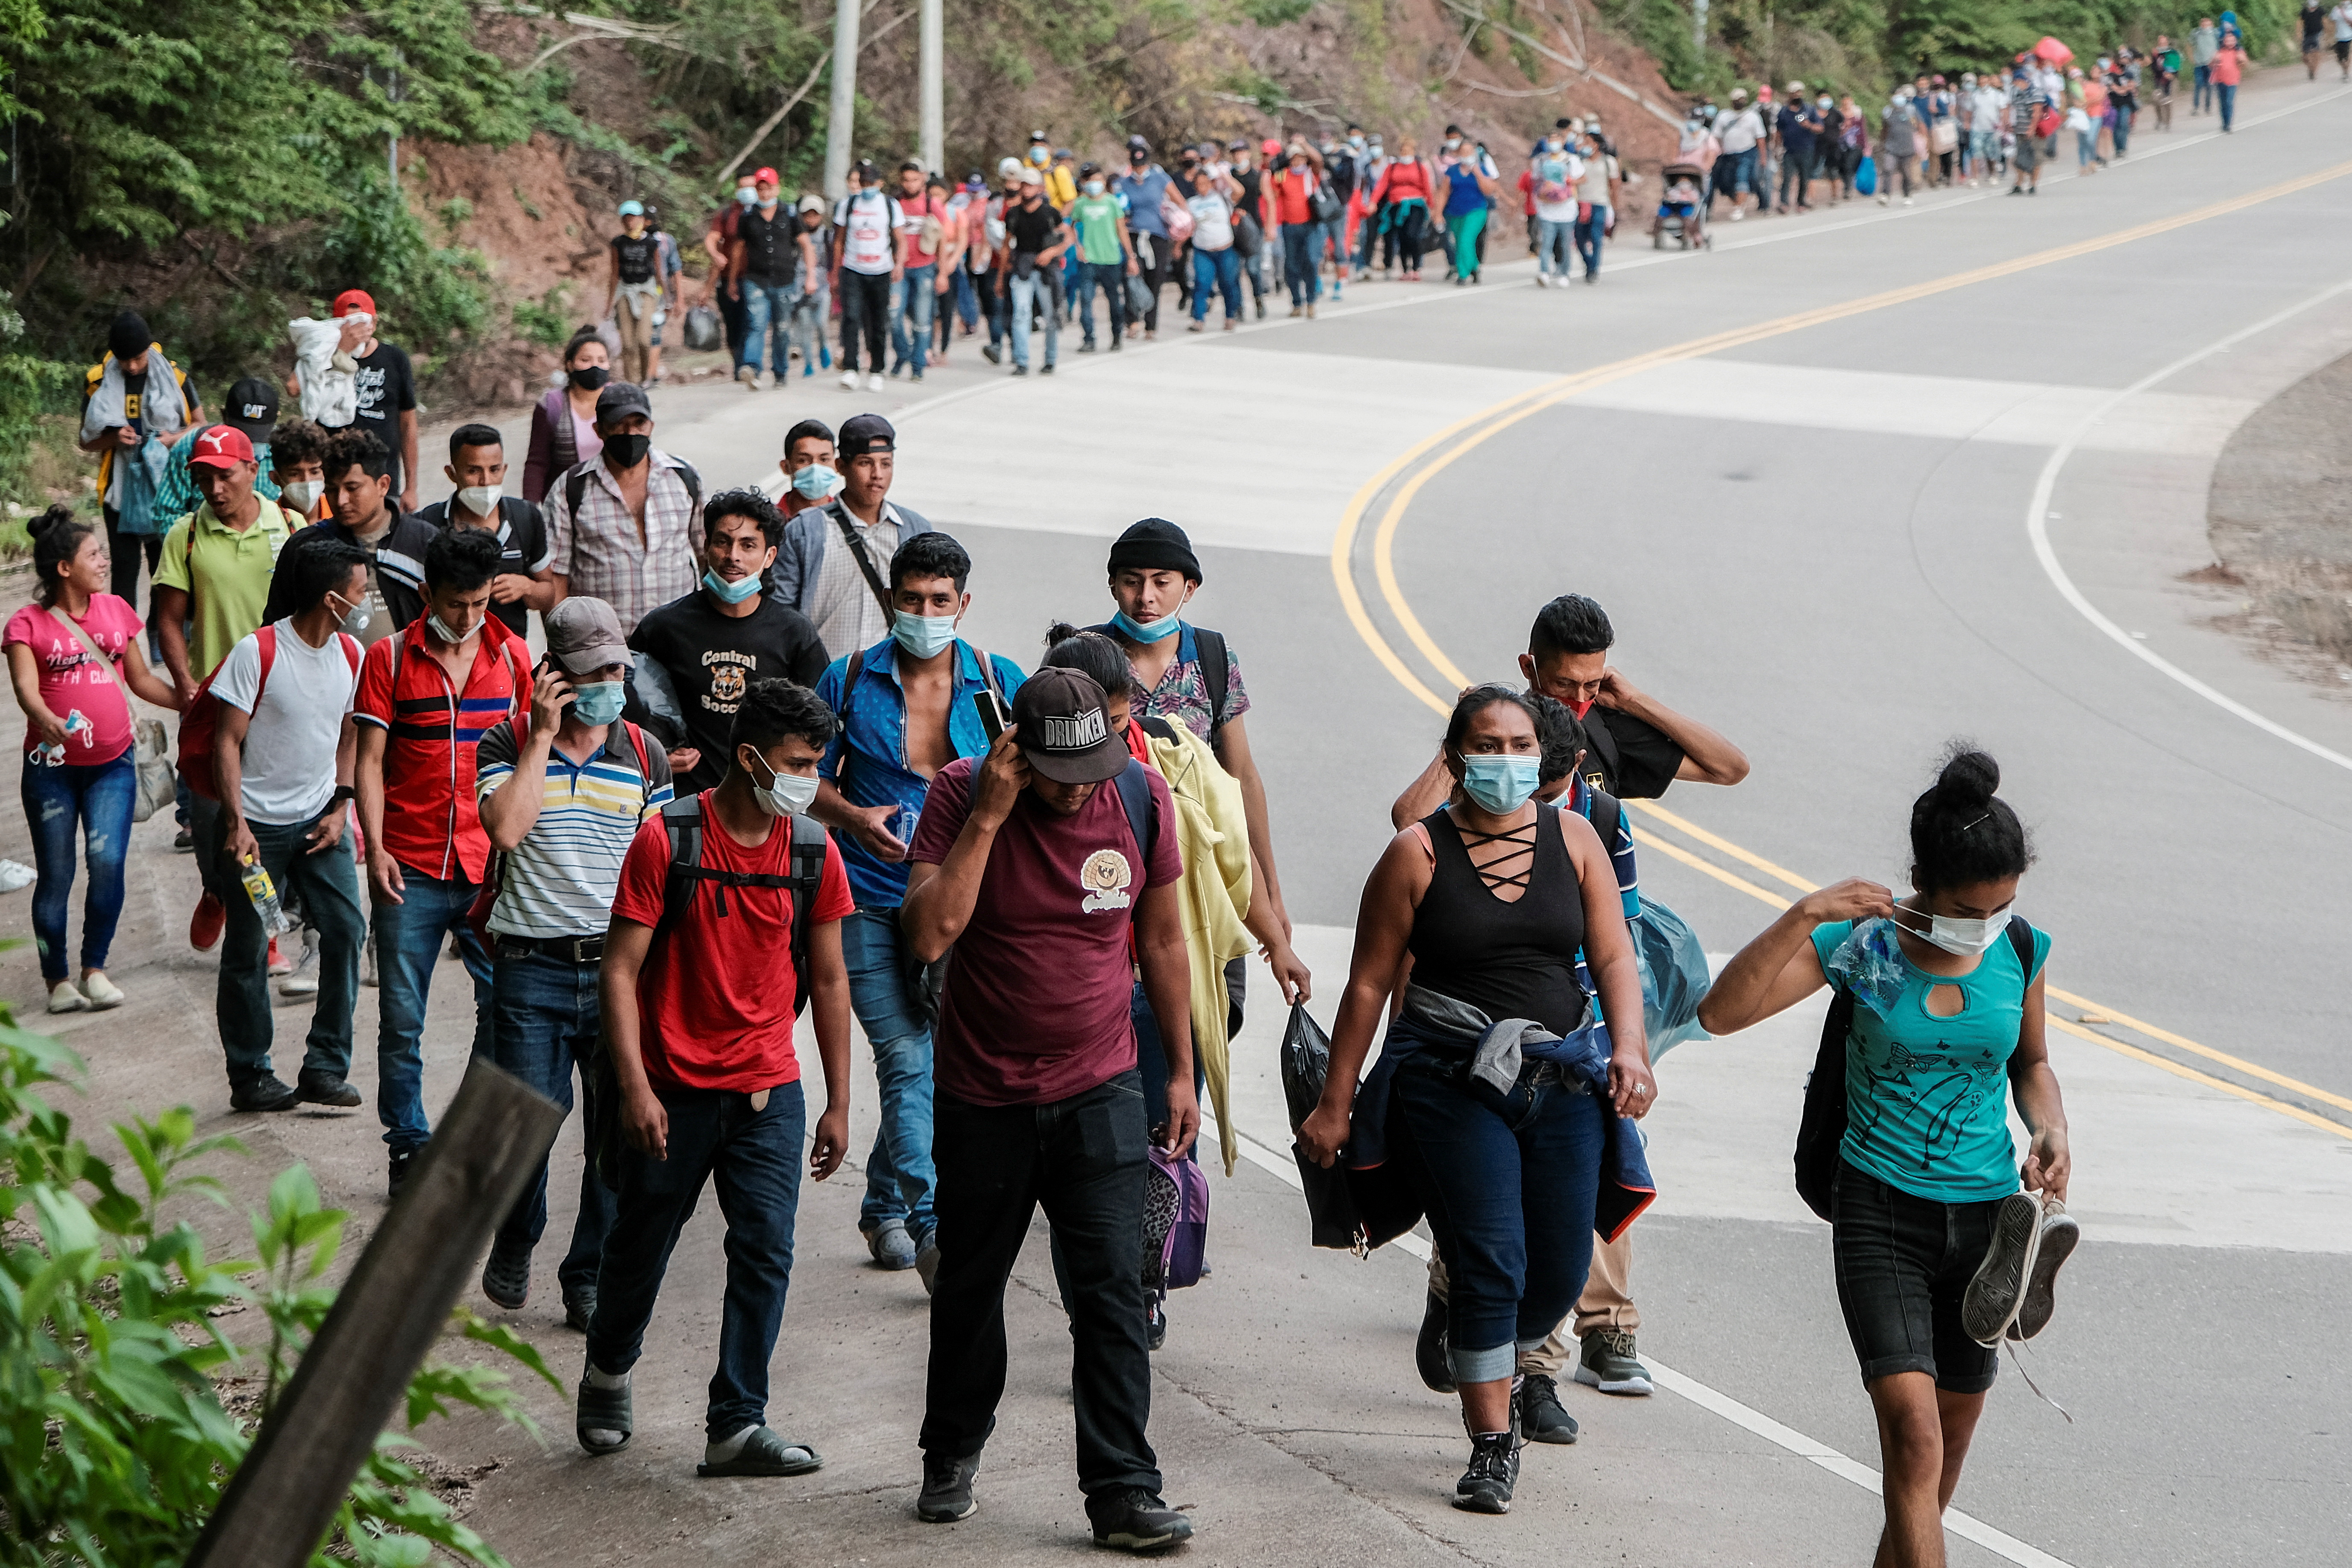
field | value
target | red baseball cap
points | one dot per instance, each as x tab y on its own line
222	446
354	302
765	177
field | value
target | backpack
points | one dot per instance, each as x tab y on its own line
1822	1127
202	719
575	486
485	897
1210	648
1175	1220
682	819
1551	180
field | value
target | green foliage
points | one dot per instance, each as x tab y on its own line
430	293
114	1443
1274	13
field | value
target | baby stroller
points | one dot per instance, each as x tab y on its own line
1681	208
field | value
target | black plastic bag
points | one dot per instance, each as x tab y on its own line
703	333
1305	1063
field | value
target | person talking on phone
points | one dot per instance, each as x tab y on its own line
906	710
1037	863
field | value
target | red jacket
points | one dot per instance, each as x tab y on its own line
431	825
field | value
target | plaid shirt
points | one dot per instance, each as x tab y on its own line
600	551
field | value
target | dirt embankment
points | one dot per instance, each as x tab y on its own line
2279	517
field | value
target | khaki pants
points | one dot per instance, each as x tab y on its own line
1607	1303
637	338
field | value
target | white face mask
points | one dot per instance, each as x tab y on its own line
785	794
482	500
301	495
440	629
1962	937
355	618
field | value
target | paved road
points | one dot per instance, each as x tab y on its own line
1809	503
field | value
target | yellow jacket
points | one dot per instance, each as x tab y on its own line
1215	837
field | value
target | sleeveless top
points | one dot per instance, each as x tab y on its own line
1507	960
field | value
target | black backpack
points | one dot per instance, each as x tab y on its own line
1822	1127
683	821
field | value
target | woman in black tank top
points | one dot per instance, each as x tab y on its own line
1492	896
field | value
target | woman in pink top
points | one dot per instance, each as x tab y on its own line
70	653
2228	69
564	425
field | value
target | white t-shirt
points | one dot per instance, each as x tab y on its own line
1592	185
1213	222
2342	17
1742	131
289	749
868	220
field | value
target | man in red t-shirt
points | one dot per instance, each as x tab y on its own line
1030	862
698	996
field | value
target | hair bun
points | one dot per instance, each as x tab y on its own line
1060	632
57	515
1969	779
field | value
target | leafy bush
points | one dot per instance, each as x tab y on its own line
115	1443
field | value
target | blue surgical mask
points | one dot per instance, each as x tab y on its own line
747	197
734	593
599	701
816	481
1146	631
923	637
1501	784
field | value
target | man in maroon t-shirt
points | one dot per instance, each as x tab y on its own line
1032	862
699	992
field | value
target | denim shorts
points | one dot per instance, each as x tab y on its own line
1902	1263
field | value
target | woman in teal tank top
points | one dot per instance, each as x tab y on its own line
1938	1252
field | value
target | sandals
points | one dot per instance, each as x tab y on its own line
603	1410
765	1453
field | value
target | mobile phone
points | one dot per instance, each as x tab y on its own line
991	715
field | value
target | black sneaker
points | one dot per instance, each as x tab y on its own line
398	1174
1021	370
1486	1486
1990	1304
266	1093
2059	1234
317	1089
993	354
1428	1348
947	1489
506	1278
1541	1416
1047	368
1133	1519
1155	1321
579	1306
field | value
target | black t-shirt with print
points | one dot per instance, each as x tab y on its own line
711	659
1627	757
387	389
1029	233
639	258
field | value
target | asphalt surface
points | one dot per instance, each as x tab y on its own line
1817	536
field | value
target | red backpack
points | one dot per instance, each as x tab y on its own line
203	715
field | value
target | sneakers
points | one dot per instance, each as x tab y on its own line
100	992
849	381
318	1088
280	964
506	1278
1429	1346
1045	369
1541	1416
579	1306
64	997
1542	282
183	842
396	1176
302	979
946	1495
927	1262
367	958
205	925
1021	370
1155	1321
1607	1363
748	376
1486	1486
262	1094
2059	1234
1990	1304
892	1247
993	354
874	382
1133	1519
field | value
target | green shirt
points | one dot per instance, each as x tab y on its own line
225	575
1098	220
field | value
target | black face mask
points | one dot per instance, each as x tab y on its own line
627	450
589	377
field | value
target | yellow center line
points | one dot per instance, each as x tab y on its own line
1465	435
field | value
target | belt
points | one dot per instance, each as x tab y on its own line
563	949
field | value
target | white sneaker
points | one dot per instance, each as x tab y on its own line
1542	282
873	382
848	381
15	876
1739	213
64	998
303	979
101	992
748	376
367	958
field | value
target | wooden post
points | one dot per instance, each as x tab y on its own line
385	1319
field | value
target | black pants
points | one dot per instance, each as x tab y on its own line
865	306
1083	1159
1155	274
125	581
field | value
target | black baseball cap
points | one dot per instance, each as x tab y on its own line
1065	725
252	408
620	399
862	433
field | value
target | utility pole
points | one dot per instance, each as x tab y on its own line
840	121
1698	25
934	68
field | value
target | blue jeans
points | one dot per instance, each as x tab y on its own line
754	1158
767	318
327	885
2200	97
1592	228
1218	270
1299	244
543	1022
2120	130
1510	1182
1336	231
2227	92
899	1180
967	298
1111	277
911	304
100	798
807	328
1553	238
1037	291
408	938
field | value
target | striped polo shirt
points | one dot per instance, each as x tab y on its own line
560	880
430	823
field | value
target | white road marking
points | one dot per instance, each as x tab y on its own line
1284	1168
2037	527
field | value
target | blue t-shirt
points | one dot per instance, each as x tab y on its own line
1144	194
1463	195
1925	1105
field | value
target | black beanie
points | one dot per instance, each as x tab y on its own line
128	337
1155	544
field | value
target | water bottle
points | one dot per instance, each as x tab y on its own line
264	894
